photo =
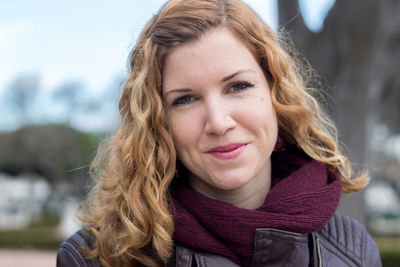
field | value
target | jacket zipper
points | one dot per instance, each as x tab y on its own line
319	255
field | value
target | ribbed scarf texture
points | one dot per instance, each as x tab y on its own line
303	198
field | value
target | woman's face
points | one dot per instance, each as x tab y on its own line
220	113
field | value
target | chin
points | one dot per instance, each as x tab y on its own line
231	183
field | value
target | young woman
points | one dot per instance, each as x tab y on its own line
223	157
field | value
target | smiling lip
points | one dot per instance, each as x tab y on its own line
227	152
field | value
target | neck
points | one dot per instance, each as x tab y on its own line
249	196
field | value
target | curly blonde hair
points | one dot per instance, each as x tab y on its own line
127	210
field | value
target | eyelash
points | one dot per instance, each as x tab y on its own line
187	99
242	86
181	100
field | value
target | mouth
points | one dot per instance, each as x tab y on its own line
227	152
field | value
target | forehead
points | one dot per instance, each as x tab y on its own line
218	52
219	36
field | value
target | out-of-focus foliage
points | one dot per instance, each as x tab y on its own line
56	152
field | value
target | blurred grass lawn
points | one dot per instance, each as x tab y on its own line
39	235
389	247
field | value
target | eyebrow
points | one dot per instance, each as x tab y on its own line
181	90
225	79
231	76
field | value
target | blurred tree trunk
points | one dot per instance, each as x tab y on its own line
358	54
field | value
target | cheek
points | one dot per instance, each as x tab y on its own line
184	129
260	118
264	119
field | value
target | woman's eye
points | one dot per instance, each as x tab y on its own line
239	86
183	100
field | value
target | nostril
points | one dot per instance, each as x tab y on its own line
219	124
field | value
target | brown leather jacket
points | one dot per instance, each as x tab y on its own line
342	242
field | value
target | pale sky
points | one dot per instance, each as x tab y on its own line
89	40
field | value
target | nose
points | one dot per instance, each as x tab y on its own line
218	118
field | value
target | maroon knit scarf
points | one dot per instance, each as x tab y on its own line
303	198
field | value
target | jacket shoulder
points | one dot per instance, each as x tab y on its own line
346	237
70	251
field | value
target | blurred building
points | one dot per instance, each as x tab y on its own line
21	200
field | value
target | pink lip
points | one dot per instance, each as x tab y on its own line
227	152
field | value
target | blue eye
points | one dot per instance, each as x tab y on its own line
186	99
239	86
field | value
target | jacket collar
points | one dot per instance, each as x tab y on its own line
272	247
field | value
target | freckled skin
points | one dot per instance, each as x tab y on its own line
217	113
